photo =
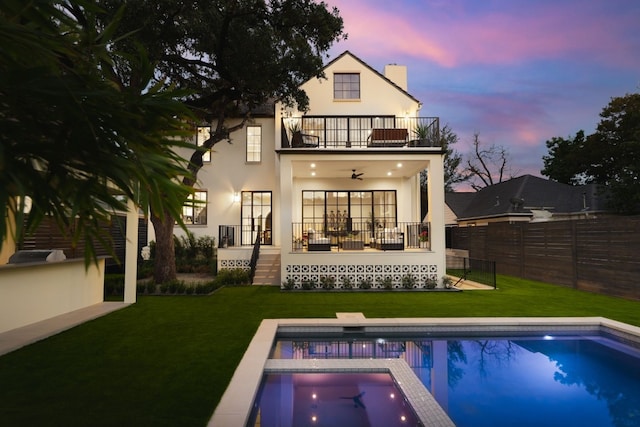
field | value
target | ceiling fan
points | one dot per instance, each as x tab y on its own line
355	175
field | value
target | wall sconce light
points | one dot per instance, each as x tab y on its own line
236	197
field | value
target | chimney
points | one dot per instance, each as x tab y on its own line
397	74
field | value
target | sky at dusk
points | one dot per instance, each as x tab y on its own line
517	72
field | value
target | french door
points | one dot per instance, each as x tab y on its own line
256	220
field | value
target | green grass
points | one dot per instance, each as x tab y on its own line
166	361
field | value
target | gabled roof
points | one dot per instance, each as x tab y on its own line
348	53
519	196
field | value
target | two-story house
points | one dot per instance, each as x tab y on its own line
333	191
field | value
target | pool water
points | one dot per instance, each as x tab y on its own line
519	381
331	399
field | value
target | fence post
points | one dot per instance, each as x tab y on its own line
574	255
495	281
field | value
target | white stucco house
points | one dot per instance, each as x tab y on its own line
333	191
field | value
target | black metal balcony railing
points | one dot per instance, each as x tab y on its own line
331	132
309	236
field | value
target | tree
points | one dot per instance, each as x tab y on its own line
565	162
487	166
71	141
614	152
609	157
452	160
232	55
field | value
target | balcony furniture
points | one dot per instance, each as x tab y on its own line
317	242
390	239
303	140
352	245
396	137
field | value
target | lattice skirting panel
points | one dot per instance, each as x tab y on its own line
232	264
375	274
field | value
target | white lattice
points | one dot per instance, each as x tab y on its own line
375	274
230	264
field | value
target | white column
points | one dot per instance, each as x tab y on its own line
435	185
131	254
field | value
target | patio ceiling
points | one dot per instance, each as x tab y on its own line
369	168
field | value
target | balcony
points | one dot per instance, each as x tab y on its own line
400	236
359	132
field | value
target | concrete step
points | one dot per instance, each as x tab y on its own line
268	270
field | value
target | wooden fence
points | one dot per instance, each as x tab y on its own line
596	255
47	236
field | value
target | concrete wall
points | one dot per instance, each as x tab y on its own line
32	292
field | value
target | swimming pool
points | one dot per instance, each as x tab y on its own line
456	370
528	380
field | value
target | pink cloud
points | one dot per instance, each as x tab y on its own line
453	35
373	31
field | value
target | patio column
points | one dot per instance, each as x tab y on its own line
435	185
131	253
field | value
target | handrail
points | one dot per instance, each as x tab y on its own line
354	235
255	255
343	132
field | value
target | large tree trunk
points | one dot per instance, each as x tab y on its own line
164	268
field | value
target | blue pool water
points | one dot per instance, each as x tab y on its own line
330	400
520	381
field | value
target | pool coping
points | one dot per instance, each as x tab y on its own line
235	405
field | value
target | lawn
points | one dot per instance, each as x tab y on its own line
166	361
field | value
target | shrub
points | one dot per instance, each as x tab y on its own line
347	283
190	245
308	284
365	284
140	287
386	282
289	284
232	277
151	287
447	282
206	246
408	281
145	269
114	284
328	282
430	283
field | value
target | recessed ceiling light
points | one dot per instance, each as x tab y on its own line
399	165
313	165
389	173
313	173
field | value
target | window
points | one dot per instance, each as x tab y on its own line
202	134
194	211
342	212
346	86
254	144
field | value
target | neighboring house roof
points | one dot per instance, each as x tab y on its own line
525	194
364	64
458	202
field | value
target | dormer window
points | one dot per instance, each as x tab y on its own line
346	86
